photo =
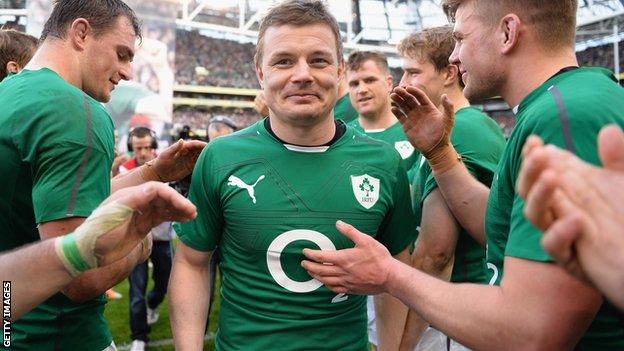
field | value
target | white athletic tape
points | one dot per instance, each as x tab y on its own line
77	250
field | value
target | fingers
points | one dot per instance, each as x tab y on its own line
155	195
540	199
350	232
532	143
398	113
611	146
331	257
534	163
447	105
322	270
559	239
194	145
407	100
419	95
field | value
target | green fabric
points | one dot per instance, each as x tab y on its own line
294	191
591	99
480	142
395	137
56	146
344	110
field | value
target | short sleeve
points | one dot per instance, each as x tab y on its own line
204	232
70	160
398	230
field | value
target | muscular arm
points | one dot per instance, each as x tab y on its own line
433	255
29	287
390	314
189	290
467	199
533	307
96	281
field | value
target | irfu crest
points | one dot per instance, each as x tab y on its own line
404	148
366	190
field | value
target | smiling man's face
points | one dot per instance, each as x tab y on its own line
299	73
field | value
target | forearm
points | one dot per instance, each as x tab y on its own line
479	316
466	197
35	273
95	282
189	291
134	177
414	325
390	315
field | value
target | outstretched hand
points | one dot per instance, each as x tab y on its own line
426	126
363	269
177	161
153	203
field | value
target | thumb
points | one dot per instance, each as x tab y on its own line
611	147
350	232
173	149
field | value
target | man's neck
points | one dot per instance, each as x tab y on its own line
304	135
381	120
457	98
526	76
53	54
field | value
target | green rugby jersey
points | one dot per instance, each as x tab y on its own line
480	142
262	202
56	146
343	109
394	136
568	110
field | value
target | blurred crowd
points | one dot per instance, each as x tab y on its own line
202	60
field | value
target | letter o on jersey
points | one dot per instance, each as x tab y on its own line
274	253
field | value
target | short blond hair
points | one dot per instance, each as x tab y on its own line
431	44
554	20
297	13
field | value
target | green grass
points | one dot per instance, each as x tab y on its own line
117	313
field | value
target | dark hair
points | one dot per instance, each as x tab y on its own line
357	59
101	14
141	132
15	46
298	13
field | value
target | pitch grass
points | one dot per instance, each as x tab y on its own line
117	313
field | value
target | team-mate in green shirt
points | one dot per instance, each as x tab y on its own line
531	303
370	84
444	249
266	192
56	144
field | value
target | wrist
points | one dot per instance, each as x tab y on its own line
148	173
393	279
443	159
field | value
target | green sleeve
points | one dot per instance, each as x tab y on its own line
70	152
398	230
524	238
204	232
480	145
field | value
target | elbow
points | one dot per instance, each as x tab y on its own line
437	262
80	293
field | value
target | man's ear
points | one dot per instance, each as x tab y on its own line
78	32
509	29
13	67
451	73
260	75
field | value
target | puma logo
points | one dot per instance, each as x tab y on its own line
237	182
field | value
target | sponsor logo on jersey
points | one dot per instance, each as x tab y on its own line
274	262
237	182
404	148
366	190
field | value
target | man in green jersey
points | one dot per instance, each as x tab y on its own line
56	144
370	84
524	52
444	249
266	192
579	205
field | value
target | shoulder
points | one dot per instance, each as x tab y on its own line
372	149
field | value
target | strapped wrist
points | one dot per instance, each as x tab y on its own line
148	173
443	159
